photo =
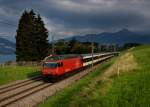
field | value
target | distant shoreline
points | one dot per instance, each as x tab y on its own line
7	57
7	54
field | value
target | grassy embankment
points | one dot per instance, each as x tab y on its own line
126	83
12	73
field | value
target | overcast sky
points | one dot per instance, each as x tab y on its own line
64	18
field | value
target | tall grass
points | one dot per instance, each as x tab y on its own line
133	88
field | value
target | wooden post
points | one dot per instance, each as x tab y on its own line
118	70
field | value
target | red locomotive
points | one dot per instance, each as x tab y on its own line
57	65
60	64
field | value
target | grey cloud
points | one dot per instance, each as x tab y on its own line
73	17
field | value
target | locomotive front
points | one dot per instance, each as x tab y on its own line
51	66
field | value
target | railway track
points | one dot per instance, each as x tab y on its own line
15	91
30	92
18	84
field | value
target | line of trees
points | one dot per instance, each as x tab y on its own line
31	38
76	47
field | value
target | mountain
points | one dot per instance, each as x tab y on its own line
121	37
6	46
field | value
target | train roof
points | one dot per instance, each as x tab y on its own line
67	56
60	57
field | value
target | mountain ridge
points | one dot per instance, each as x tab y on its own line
6	46
120	37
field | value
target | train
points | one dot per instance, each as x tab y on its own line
57	65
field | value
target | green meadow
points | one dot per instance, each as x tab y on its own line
12	73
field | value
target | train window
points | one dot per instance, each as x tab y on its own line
50	65
89	59
60	64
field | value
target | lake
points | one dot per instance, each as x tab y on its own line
4	58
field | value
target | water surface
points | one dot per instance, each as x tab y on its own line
4	58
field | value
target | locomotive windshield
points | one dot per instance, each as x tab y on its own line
50	65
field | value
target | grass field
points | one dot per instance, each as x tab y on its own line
106	87
13	73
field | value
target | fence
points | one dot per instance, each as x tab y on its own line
21	63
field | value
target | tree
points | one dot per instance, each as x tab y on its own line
22	37
31	38
61	47
72	44
42	45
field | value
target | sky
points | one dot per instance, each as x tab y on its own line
65	18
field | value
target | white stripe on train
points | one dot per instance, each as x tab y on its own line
89	56
97	60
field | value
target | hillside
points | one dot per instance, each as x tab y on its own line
120	37
122	82
6	46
